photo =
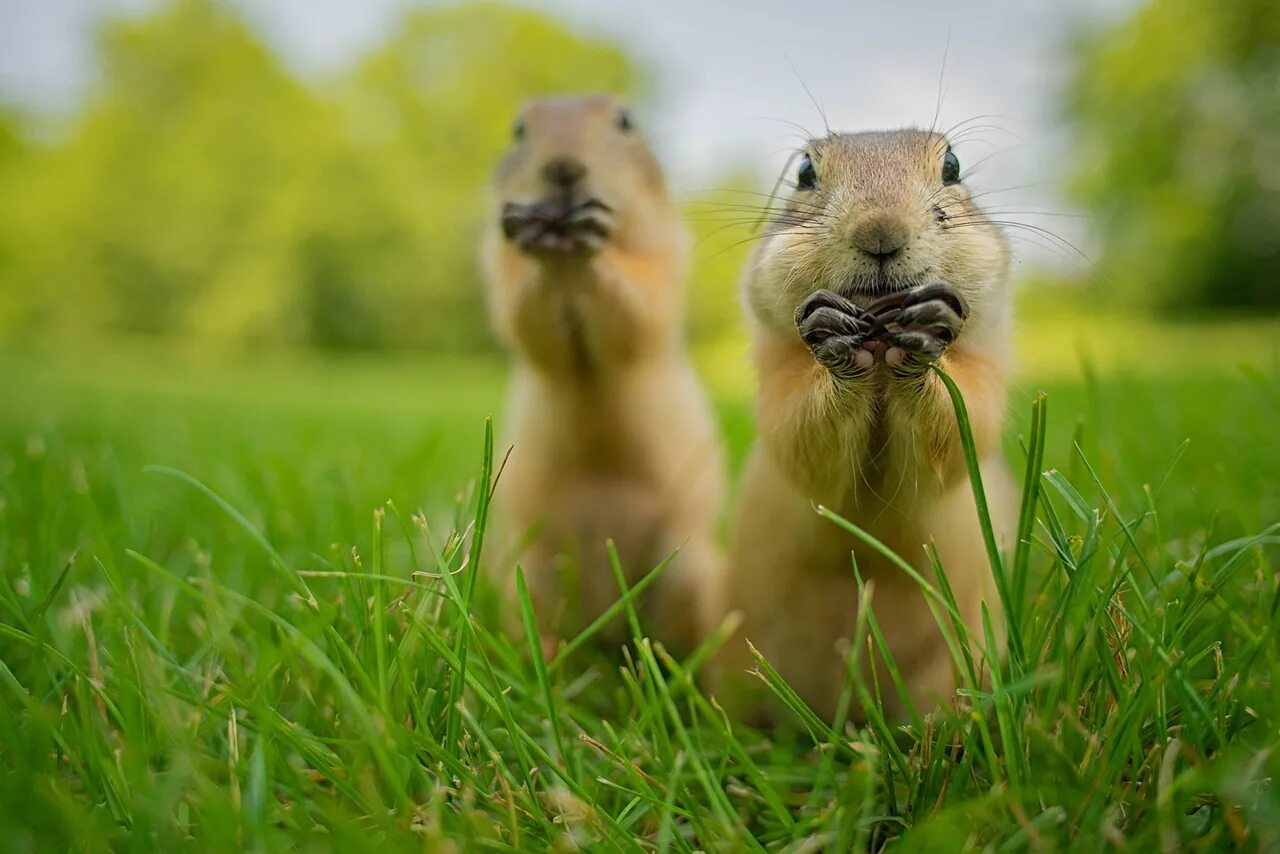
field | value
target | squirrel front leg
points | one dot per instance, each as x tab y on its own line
588	315
816	395
631	306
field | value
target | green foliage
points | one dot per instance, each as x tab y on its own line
1178	126
11	143
265	652
206	192
12	151
722	224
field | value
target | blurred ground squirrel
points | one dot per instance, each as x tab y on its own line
876	264
613	438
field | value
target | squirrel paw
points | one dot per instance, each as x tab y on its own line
555	228
930	319
834	329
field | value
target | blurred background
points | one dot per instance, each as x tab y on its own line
310	174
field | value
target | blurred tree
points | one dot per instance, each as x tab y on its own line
12	150
1178	118
204	191
724	225
11	143
168	188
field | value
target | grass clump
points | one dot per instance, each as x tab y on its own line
254	645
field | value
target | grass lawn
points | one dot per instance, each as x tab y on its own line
212	634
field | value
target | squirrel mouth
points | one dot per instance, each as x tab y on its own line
878	284
558	227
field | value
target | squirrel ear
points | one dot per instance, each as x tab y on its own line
624	121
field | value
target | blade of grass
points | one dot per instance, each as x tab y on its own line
534	639
1030	498
277	560
1012	617
625	602
463	613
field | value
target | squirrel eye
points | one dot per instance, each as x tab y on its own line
950	168
807	176
518	129
624	121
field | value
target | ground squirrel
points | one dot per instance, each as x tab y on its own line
851	417
612	436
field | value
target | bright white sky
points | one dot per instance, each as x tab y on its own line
726	84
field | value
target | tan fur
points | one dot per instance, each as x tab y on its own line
612	436
882	450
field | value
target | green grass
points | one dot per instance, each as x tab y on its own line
237	610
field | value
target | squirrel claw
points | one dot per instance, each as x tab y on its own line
929	319
834	329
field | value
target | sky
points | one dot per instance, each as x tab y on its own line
731	76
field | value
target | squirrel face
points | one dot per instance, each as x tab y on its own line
873	213
576	174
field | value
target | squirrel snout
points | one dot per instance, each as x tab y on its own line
880	235
564	171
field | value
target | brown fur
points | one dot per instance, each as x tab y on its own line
612	436
882	449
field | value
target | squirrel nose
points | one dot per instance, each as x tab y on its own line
880	236
564	171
